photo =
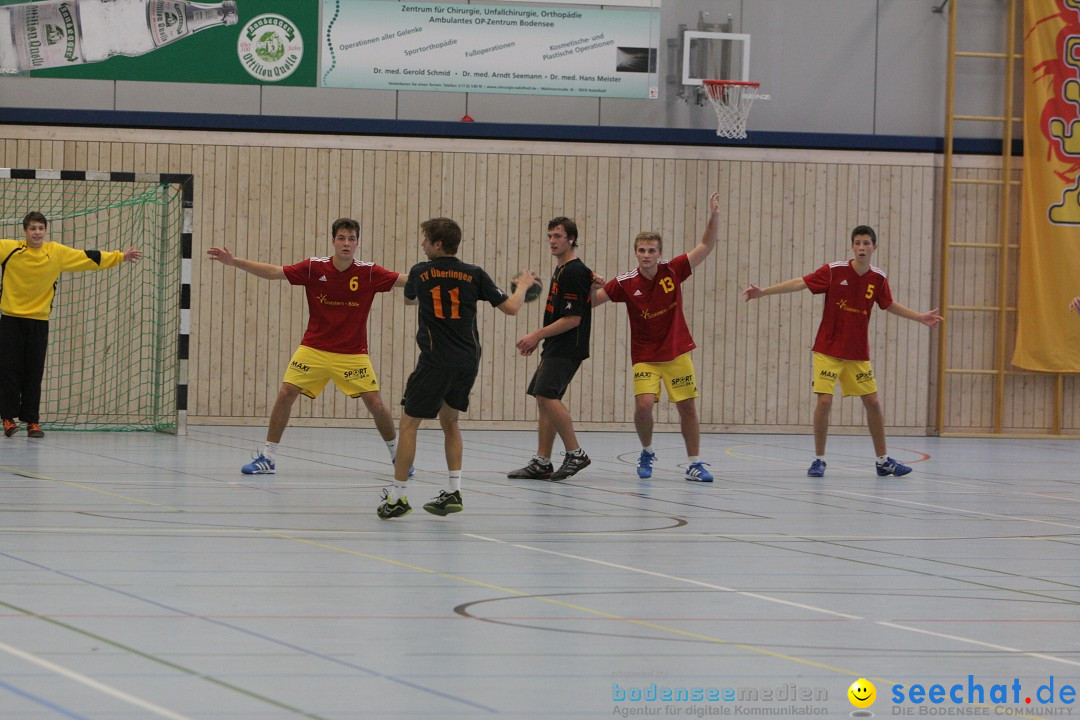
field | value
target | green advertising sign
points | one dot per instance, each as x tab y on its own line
231	42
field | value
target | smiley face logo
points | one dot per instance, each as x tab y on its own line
862	693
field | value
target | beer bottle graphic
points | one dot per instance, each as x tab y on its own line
61	33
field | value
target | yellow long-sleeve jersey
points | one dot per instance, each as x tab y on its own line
30	274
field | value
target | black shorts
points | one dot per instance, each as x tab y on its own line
552	377
429	387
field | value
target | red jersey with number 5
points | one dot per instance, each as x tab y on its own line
658	331
849	297
339	301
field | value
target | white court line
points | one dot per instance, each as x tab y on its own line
977	513
688	581
980	643
811	608
93	684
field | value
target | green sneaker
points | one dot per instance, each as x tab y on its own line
445	504
390	510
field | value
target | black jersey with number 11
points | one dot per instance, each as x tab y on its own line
448	291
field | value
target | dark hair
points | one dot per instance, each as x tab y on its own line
864	230
568	225
34	216
443	230
347	223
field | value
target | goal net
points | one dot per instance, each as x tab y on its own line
113	361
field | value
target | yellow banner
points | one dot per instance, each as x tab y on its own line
1048	333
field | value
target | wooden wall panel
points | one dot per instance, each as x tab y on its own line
274	197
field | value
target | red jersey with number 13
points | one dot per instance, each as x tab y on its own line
849	297
658	331
339	301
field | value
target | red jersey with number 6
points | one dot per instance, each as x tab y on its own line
849	297
339	301
658	331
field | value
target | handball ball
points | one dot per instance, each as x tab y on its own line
533	292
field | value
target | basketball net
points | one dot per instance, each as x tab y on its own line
731	100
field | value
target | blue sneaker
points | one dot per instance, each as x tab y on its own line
259	465
412	471
696	472
892	467
817	468
644	464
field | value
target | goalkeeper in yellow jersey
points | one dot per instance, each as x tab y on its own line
28	272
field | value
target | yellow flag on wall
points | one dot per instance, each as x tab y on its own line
1048	333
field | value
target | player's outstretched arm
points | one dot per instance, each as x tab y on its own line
264	270
1075	304
929	319
699	252
599	296
525	280
788	286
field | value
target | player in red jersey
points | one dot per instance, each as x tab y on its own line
660	341
340	290
842	347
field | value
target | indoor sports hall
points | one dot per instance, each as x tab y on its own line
144	576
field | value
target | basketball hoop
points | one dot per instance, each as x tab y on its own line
732	100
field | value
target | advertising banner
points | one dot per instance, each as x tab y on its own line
232	42
1048	333
556	50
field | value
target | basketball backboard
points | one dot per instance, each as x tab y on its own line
715	56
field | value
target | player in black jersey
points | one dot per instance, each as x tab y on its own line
447	291
567	322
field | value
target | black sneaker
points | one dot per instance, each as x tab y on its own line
535	470
571	465
390	510
445	504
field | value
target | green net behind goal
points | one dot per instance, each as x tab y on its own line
112	359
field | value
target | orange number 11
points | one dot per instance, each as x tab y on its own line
455	303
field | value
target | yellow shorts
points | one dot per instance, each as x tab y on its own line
311	369
856	376
677	376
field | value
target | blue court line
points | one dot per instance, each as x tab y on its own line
41	701
252	633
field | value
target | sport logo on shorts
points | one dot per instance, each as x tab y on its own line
828	374
295	365
864	376
684	381
357	374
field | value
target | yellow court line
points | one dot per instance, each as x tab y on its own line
781	461
35	476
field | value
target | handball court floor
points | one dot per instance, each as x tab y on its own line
142	576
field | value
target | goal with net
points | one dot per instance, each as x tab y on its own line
118	339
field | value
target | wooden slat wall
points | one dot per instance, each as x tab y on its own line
273	198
